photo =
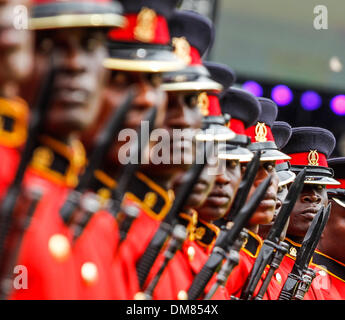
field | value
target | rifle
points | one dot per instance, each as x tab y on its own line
38	116
231	261
179	235
219	251
271	243
171	219
103	144
128	172
242	193
301	276
245	185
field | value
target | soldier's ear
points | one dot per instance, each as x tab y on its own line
243	168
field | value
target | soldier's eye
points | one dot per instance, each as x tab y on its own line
155	79
231	164
120	79
269	166
319	187
45	45
191	100
92	41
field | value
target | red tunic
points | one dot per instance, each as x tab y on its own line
239	275
154	203
13	125
329	283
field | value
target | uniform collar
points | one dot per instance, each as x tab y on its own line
330	265
293	248
190	221
14	116
103	185
58	162
253	244
205	234
152	198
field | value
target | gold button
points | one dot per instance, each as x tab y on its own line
140	296
191	253
59	247
89	273
278	277
293	252
182	295
322	273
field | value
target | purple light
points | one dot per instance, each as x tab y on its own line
282	95
338	105
310	101
253	87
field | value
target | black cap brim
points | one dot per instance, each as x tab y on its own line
76	14
285	177
139	57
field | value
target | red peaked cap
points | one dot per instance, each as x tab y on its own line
243	108
338	166
282	133
196	29
222	74
310	146
146	21
262	129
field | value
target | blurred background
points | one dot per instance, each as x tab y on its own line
276	53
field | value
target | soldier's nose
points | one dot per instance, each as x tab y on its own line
145	98
311	198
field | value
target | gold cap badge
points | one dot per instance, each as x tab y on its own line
146	25
260	132
203	104
182	49
313	158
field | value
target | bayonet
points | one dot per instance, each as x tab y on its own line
303	256
219	252
171	219
271	243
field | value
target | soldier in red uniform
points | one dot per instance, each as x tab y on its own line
308	147
184	89
329	260
68	31
282	132
202	235
262	139
16	56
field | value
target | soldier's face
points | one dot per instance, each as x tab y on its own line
281	195
311	199
265	211
16	42
182	120
79	54
148	95
223	193
332	240
202	188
